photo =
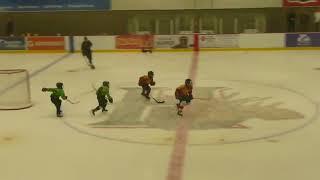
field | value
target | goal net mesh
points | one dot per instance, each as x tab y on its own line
14	89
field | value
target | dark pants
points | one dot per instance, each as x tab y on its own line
185	99
102	103
57	102
146	90
88	54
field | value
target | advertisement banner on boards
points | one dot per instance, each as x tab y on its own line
12	43
54	5
219	41
134	41
303	40
99	42
46	43
289	3
173	41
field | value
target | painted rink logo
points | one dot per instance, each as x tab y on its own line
224	112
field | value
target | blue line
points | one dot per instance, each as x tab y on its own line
49	65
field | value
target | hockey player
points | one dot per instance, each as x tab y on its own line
183	95
144	82
86	51
55	96
101	93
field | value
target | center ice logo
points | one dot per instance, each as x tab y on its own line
218	107
228	112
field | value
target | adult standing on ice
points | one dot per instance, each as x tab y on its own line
86	51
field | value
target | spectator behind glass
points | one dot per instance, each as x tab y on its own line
10	27
291	20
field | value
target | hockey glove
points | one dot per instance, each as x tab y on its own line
189	98
153	83
110	100
44	89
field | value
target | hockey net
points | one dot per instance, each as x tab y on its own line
14	89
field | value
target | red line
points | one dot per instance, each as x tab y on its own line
176	164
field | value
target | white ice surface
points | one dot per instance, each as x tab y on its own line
35	145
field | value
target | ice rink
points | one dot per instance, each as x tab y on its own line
256	118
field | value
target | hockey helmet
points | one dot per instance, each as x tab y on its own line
188	82
105	83
59	85
150	73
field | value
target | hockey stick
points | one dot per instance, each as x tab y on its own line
73	102
200	98
158	101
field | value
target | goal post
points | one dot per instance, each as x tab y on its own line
14	89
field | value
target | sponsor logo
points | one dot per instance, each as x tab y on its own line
302	1
304	40
10	44
133	41
38	43
46	43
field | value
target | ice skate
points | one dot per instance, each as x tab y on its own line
93	112
60	114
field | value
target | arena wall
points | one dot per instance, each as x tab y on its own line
171	43
192	4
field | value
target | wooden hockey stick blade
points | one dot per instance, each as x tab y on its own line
206	99
71	102
122	126
157	101
76	70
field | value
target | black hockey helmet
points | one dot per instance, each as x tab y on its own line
150	73
105	83
188	82
59	85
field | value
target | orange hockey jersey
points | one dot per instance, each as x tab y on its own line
183	91
145	81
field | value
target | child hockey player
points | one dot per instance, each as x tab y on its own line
184	95
86	51
144	82
101	93
55	96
